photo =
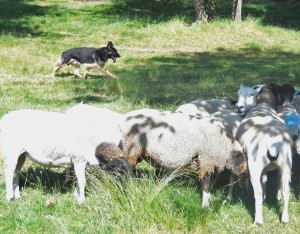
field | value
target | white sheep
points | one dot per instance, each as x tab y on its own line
173	140
247	98
268	146
231	120
296	102
55	139
247	95
100	124
297	145
204	107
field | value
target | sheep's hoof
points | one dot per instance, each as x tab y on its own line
10	198
258	222
285	218
79	198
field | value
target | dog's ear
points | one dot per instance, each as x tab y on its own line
110	44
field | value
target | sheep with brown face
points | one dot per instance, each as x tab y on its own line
112	158
173	140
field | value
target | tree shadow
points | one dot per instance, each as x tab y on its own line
153	11
276	13
14	16
182	77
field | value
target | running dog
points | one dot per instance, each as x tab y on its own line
89	57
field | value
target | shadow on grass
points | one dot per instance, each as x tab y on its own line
50	181
182	77
14	15
17	16
165	80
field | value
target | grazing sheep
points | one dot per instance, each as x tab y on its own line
112	158
230	119
55	139
268	146
173	140
100	124
203	107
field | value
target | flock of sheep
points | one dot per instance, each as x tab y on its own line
204	136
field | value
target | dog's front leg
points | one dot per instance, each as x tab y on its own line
108	73
87	69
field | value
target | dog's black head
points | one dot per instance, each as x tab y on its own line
112	52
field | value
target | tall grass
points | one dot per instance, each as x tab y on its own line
167	59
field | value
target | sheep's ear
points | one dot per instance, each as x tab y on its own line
257	88
102	159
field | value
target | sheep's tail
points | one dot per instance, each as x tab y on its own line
273	146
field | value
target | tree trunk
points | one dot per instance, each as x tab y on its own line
200	11
237	10
212	6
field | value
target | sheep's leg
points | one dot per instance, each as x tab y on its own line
264	180
258	194
16	178
79	168
205	190
285	181
231	181
9	173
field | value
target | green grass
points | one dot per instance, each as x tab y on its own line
167	60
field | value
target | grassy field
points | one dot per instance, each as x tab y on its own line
167	59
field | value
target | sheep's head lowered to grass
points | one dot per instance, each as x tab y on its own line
112	158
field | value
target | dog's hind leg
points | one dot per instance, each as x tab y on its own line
57	66
76	70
